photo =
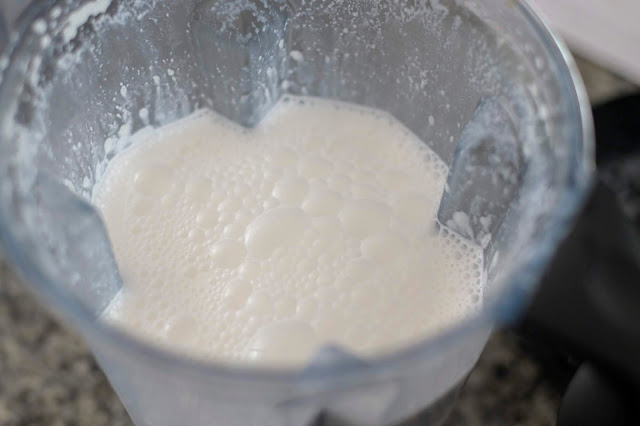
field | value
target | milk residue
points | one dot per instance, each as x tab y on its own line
260	246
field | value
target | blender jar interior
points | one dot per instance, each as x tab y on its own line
482	83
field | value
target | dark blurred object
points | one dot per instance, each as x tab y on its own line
594	398
618	151
588	305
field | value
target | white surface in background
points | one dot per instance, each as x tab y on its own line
605	31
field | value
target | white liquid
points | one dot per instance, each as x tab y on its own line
261	246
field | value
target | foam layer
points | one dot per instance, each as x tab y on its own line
260	246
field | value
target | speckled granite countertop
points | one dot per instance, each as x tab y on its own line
48	376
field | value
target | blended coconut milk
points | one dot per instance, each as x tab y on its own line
260	246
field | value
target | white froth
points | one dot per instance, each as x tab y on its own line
260	246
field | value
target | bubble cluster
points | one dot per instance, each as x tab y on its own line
259	246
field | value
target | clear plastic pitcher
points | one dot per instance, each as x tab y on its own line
483	83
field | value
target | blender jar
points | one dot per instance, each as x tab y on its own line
484	84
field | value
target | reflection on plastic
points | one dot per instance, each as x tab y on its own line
485	175
73	232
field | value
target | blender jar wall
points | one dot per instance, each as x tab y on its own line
482	83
